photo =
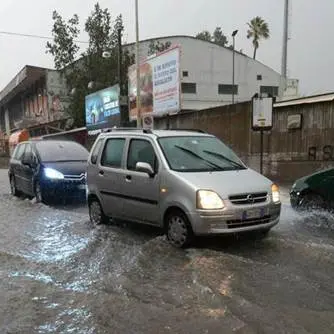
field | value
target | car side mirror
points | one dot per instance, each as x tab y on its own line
28	160
144	167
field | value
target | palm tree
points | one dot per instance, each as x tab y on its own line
258	29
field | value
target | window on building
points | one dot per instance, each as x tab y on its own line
272	90
113	153
227	89
259	77
189	88
185	74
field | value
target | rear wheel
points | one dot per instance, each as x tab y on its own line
96	214
13	188
178	229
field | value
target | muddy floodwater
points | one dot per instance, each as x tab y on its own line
58	274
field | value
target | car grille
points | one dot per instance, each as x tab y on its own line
248	222
252	198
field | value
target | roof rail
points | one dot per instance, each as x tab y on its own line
120	129
190	130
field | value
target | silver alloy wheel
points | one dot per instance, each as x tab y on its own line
38	193
177	232
95	213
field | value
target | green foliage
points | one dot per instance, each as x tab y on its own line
157	47
63	49
257	29
217	37
92	67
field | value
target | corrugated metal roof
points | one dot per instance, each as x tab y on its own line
306	100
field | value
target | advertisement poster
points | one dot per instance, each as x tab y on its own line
159	85
102	108
262	110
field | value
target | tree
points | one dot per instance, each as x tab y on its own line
92	67
258	29
63	49
219	38
204	36
157	47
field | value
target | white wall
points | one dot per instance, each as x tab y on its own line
209	65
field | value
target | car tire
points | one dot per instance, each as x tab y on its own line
13	188
39	195
311	202
178	229
96	214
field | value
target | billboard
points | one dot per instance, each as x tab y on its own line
103	108
159	85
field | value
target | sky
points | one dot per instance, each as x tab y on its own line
310	53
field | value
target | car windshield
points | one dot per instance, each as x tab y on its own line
61	151
199	154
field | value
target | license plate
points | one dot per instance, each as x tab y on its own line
255	213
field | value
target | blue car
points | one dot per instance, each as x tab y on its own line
49	170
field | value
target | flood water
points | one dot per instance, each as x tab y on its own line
58	274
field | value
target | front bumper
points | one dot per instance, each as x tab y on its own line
64	189
234	219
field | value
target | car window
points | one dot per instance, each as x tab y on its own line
141	151
96	151
18	154
27	149
113	153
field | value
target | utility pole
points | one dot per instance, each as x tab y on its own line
123	110
233	64
138	104
285	41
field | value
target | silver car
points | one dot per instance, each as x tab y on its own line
189	183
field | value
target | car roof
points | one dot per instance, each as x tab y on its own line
155	133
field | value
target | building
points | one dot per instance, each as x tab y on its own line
207	71
39	95
34	96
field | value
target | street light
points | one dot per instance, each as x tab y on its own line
138	104
234	33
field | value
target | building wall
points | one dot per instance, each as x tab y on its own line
288	154
209	65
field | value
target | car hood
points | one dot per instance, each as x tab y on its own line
228	183
68	168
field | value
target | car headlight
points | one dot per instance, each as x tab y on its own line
51	173
209	200
275	193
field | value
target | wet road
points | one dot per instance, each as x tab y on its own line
60	275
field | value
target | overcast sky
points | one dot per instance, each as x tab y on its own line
310	47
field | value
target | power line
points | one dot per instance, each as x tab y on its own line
9	33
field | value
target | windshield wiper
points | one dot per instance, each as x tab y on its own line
219	155
213	165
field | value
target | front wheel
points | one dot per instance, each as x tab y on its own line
312	202
178	229
13	188
96	214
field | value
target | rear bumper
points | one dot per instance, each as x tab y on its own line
234	220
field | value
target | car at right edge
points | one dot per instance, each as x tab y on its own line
188	183
314	191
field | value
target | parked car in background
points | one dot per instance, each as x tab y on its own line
48	170
315	191
185	182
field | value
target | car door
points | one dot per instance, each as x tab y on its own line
108	175
18	167
28	172
141	191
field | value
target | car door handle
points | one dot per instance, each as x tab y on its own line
128	178
101	172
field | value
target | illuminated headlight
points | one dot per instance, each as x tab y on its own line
51	173
209	200
275	193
